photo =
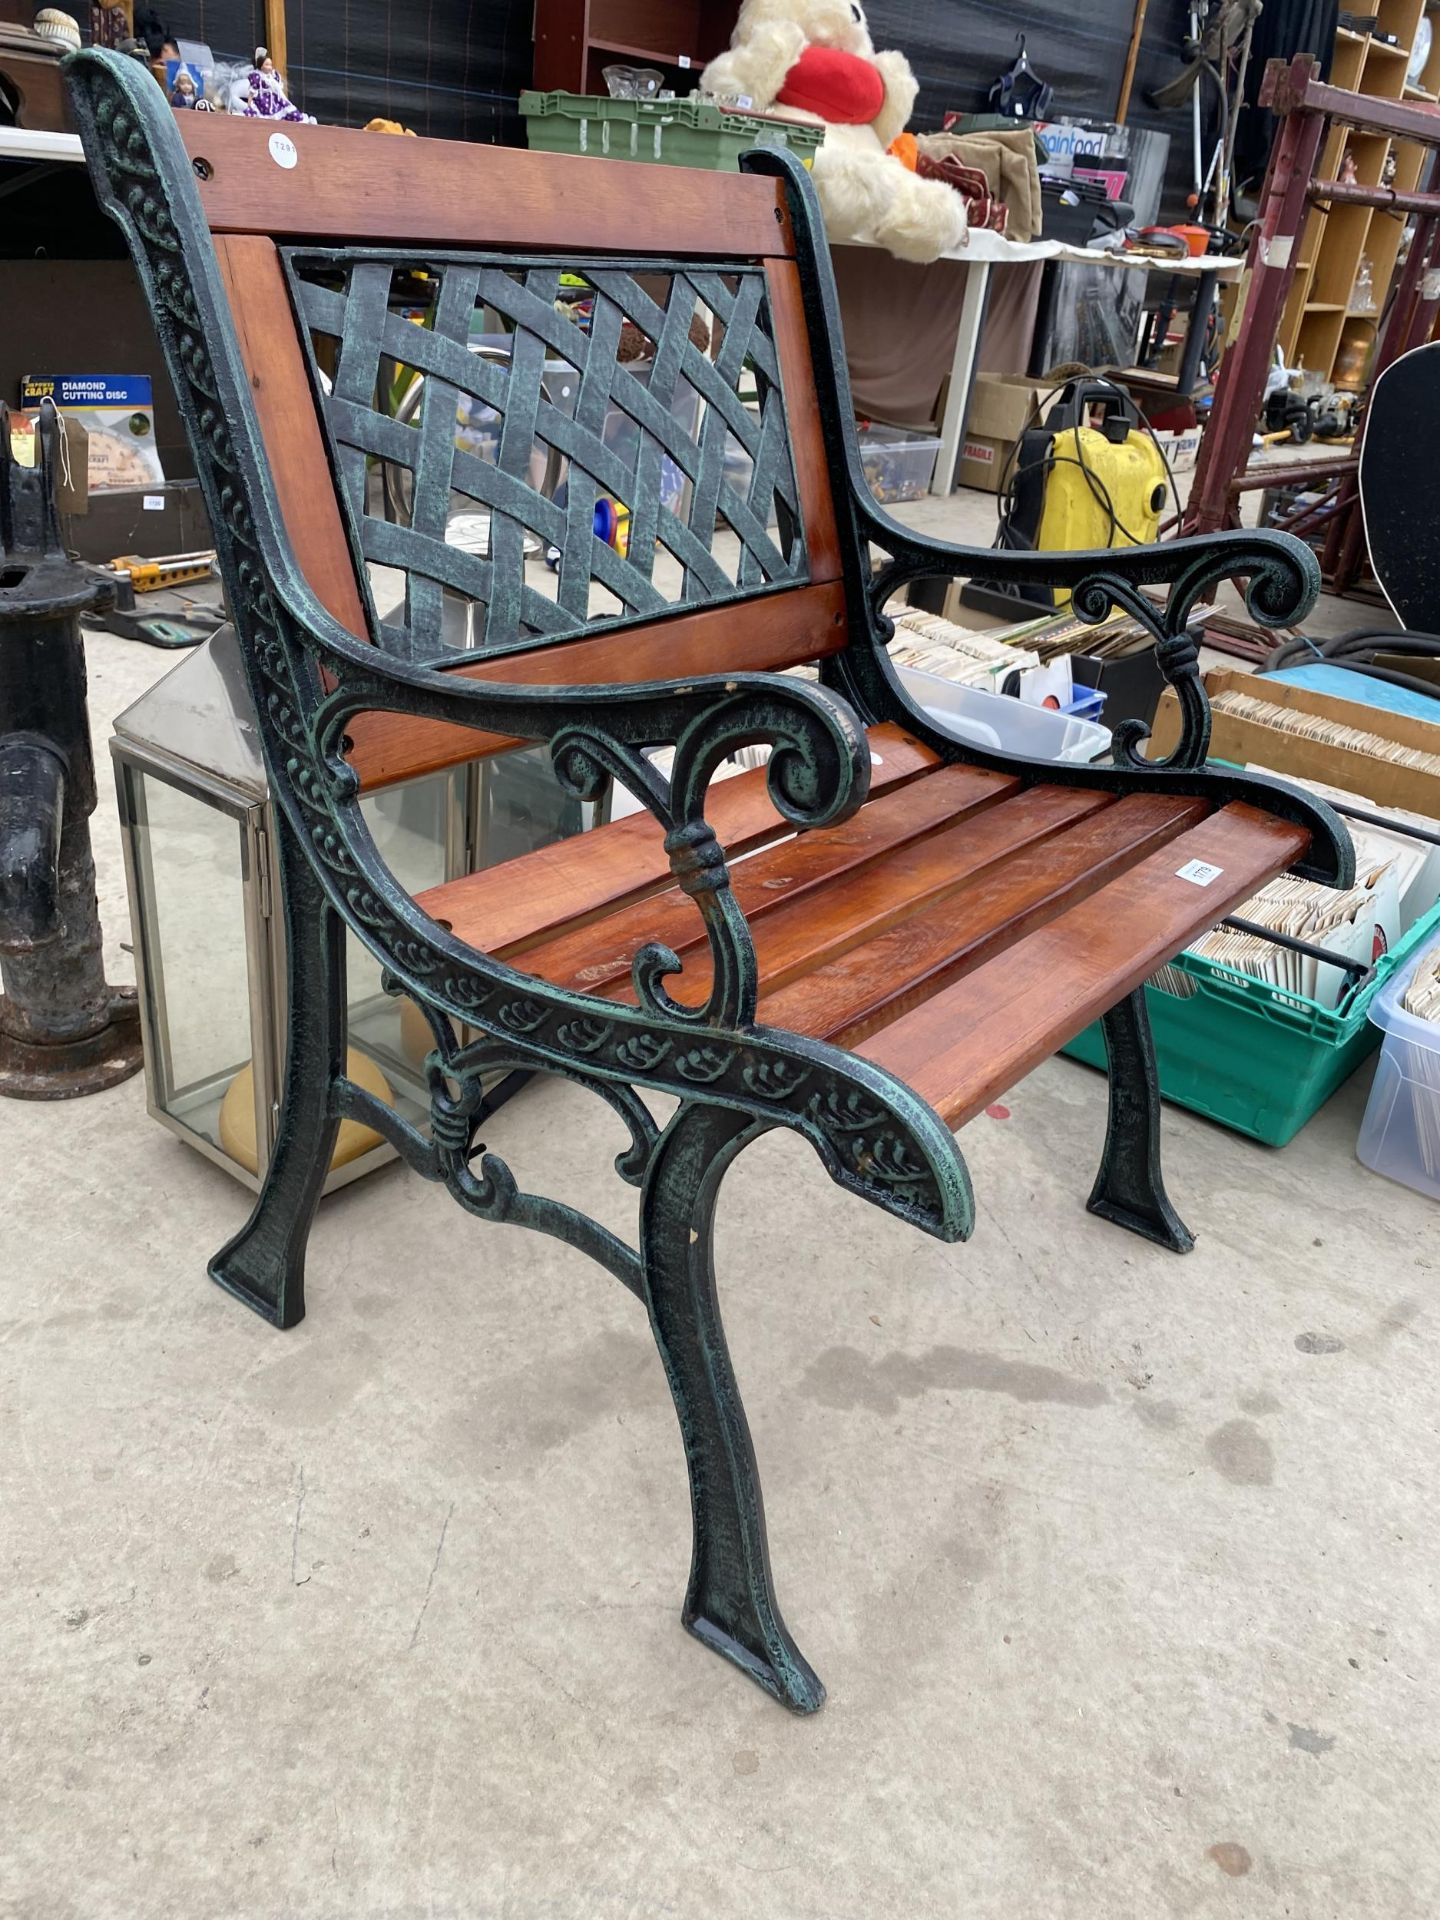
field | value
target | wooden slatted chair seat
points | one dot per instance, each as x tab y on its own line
958	929
864	942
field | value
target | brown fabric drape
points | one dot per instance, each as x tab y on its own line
900	323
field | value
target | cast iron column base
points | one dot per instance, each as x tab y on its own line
70	1068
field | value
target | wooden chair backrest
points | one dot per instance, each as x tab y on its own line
353	263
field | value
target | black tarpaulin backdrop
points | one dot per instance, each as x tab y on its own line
449	67
443	67
452	68
959	48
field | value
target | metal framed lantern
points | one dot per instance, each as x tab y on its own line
208	932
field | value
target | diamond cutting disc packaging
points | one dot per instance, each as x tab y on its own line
118	413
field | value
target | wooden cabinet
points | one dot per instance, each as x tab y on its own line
576	39
33	85
1332	315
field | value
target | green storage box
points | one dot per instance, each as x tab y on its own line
677	133
1258	1061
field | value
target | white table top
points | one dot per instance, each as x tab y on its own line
18	143
982	246
989	249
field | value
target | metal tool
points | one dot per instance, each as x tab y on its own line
171	629
165	570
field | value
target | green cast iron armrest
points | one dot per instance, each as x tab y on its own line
1282	583
1282	574
818	772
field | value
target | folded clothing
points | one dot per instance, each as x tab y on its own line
1009	163
971	185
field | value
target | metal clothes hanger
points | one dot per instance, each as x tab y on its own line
1021	94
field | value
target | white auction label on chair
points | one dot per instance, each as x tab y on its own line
282	150
1198	872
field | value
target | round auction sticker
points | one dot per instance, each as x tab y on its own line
282	150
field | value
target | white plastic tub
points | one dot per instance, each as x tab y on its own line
989	720
1400	1134
1000	724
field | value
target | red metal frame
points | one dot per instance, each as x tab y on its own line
1269	274
1290	189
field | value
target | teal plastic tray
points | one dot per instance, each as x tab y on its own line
676	133
1258	1061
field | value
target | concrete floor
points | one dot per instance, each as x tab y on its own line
1119	1567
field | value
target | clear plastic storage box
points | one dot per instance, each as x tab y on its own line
899	464
1400	1134
1000	724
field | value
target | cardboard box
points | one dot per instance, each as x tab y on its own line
936	593
1249	744
1002	405
72	495
148	521
1131	682
1182	450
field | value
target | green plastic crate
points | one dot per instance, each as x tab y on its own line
1258	1061
677	133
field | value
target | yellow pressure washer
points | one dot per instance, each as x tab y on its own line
1091	476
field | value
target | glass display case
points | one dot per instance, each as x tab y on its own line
203	883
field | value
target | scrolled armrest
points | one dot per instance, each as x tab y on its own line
1282	581
819	766
819	769
818	772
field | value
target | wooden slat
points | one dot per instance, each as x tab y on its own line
799	937
369	190
888	894
504	910
767	634
979	1036
285	405
800	875
807	436
1005	898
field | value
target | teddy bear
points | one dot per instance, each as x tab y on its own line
814	61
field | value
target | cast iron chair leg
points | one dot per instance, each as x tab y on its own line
264	1265
1130	1188
730	1602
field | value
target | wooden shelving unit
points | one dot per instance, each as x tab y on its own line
1318	124
1328	326
575	40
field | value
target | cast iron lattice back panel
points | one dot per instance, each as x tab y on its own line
652	433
